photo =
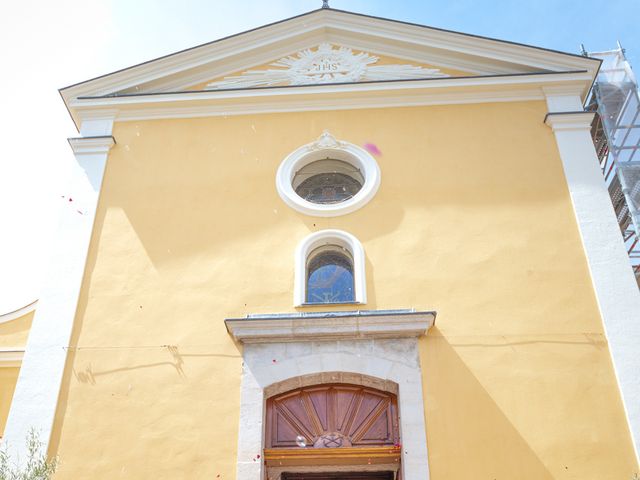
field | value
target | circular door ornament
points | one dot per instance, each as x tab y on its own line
332	440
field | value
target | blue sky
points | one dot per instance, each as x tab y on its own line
160	26
47	45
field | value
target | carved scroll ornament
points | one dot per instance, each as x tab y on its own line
325	64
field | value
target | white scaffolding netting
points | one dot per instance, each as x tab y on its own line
616	136
630	179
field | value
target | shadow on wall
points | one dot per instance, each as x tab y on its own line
464	423
83	299
196	185
177	212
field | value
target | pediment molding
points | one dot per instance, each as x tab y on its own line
405	93
381	36
11	357
19	312
325	64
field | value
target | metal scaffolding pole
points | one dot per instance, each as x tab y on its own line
616	136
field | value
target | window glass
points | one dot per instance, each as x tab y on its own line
327	181
330	276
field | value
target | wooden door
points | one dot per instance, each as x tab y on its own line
332	416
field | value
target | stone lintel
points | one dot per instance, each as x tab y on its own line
279	328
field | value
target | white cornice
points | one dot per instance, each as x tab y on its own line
251	58
373	45
330	97
419	43
261	55
174	111
416	53
90	145
324	64
540	80
569	120
178	62
470	45
11	357
7	317
342	326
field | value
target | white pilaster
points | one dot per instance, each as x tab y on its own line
36	395
613	280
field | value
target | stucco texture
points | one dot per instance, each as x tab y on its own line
8	379
472	219
14	333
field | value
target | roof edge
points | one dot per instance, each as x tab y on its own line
63	90
309	85
195	47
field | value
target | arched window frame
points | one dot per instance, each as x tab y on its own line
329	237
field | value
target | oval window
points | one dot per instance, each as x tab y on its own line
328	181
330	276
328	177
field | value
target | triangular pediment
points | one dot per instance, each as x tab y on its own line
326	64
328	46
392	41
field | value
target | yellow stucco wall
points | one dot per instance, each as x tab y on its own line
473	219
8	379
14	333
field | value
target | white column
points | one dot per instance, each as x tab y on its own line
613	279
36	395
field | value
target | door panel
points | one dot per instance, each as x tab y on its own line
332	416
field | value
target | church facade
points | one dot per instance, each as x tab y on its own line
336	246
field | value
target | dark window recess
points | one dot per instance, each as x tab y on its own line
328	181
326	188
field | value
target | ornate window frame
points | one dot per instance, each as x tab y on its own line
328	146
329	237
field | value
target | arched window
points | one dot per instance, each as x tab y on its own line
330	275
329	269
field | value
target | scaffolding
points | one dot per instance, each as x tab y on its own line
616	136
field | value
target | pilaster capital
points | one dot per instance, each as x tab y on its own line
559	121
91	145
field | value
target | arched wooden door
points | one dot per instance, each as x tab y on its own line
332	416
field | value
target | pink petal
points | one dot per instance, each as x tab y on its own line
372	149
